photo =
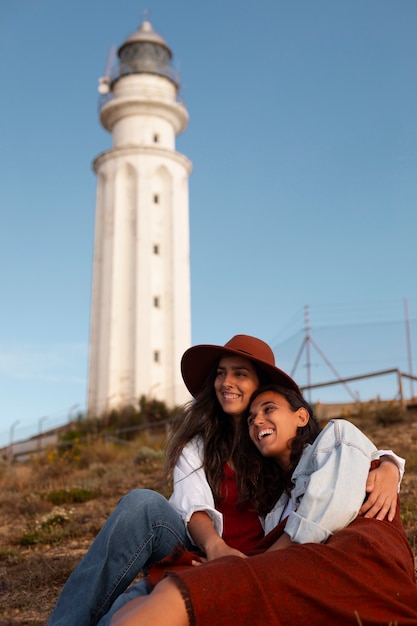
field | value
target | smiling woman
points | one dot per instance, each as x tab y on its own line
236	380
322	472
274	423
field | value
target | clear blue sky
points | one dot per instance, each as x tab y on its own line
303	137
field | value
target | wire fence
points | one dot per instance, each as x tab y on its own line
323	352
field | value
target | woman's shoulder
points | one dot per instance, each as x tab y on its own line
194	446
341	431
340	427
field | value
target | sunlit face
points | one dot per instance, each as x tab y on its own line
272	424
235	382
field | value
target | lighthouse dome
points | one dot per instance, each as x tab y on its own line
144	51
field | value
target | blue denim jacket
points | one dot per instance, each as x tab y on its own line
329	484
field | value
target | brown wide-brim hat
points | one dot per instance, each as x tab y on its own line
197	361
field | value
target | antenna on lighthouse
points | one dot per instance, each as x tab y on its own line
105	81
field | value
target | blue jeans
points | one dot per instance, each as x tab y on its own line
143	528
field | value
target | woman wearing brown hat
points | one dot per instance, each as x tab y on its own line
202	452
205	509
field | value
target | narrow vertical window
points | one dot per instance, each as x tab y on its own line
156	249
156	198
156	138
156	302
156	356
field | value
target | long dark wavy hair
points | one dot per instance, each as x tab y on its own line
205	417
260	479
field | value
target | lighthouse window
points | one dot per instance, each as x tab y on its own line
156	138
156	302
156	356
156	249
156	198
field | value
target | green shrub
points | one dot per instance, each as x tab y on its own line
49	529
389	413
70	496
146	454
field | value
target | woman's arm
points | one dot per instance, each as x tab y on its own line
165	606
383	484
193	499
283	542
330	482
192	492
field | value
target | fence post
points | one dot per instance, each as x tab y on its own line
400	387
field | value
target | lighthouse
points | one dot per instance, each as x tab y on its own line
140	306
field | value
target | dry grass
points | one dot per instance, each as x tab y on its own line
52	508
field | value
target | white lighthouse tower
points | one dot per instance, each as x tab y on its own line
140	312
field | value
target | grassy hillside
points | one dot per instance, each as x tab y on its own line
52	507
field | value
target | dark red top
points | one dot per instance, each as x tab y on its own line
241	526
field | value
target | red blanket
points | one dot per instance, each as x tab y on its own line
363	575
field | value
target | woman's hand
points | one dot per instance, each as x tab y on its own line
382	490
207	539
217	548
